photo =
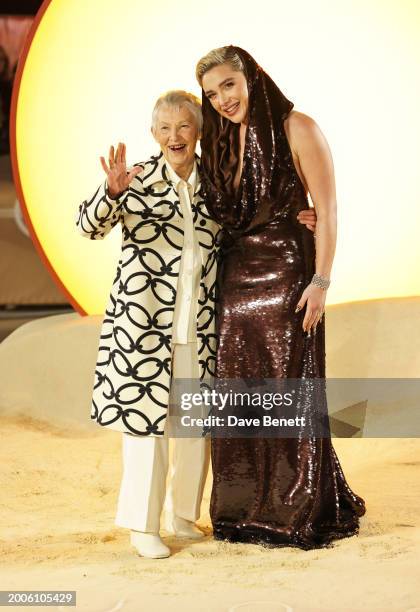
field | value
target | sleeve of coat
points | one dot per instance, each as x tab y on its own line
96	217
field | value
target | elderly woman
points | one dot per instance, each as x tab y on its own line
160	318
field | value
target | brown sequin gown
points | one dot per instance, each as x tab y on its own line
277	491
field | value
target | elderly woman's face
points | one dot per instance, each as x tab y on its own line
176	132
227	91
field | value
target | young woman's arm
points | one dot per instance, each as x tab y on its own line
315	162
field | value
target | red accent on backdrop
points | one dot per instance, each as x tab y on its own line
15	168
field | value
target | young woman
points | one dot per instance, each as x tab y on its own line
259	160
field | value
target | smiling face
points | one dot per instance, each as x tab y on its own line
227	91
176	132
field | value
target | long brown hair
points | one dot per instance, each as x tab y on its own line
268	164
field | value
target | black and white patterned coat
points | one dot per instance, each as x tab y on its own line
134	366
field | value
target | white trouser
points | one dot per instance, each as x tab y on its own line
145	467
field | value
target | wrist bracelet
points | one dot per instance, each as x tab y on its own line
320	281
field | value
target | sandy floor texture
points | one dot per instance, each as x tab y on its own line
60	489
61	474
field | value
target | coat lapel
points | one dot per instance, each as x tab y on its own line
156	171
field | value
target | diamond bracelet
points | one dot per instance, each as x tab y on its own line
319	281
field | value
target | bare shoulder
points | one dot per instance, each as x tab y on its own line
301	129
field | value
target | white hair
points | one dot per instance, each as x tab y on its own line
177	98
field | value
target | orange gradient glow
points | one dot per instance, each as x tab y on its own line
90	74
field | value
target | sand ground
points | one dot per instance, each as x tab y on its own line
60	488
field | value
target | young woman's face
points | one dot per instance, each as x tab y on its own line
227	91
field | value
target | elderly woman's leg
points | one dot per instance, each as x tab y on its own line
190	460
142	492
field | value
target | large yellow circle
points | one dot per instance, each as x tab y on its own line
94	69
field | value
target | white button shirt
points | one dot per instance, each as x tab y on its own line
184	327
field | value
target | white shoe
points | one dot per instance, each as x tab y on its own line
183	528
149	545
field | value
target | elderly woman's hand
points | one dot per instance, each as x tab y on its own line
117	176
308	217
314	297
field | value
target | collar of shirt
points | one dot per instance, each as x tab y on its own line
192	180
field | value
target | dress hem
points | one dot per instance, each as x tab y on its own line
274	540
